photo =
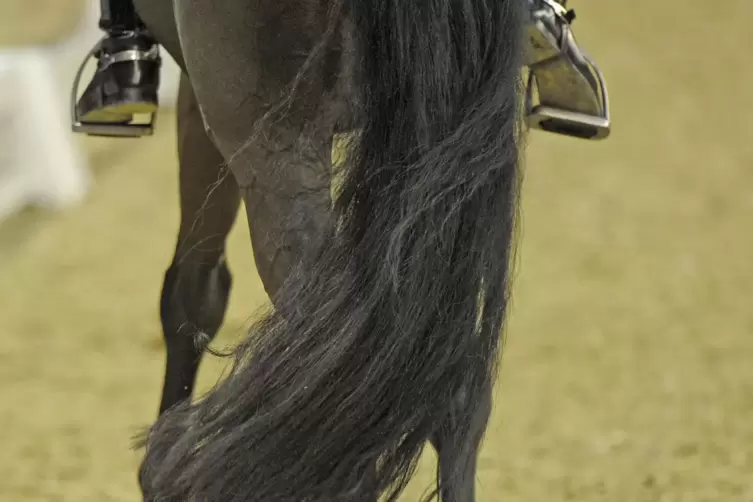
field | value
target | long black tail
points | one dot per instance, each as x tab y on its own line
404	304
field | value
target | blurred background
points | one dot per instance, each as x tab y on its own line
628	369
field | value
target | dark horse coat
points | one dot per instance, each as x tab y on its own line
389	292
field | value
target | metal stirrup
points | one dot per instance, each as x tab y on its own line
572	93
128	129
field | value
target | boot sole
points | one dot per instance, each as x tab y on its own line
119	113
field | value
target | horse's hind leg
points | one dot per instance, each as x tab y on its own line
197	284
457	443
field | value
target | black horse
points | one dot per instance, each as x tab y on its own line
389	289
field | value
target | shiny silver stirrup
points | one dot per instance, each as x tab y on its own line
126	128
571	91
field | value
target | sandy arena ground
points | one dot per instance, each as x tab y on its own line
628	372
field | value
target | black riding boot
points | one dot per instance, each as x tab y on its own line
128	70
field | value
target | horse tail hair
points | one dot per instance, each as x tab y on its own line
403	306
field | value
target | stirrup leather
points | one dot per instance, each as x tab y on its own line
129	126
571	91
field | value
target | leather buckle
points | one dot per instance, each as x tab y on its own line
566	93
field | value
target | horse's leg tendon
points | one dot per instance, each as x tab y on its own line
197	284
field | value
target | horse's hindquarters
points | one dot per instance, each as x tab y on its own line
242	76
